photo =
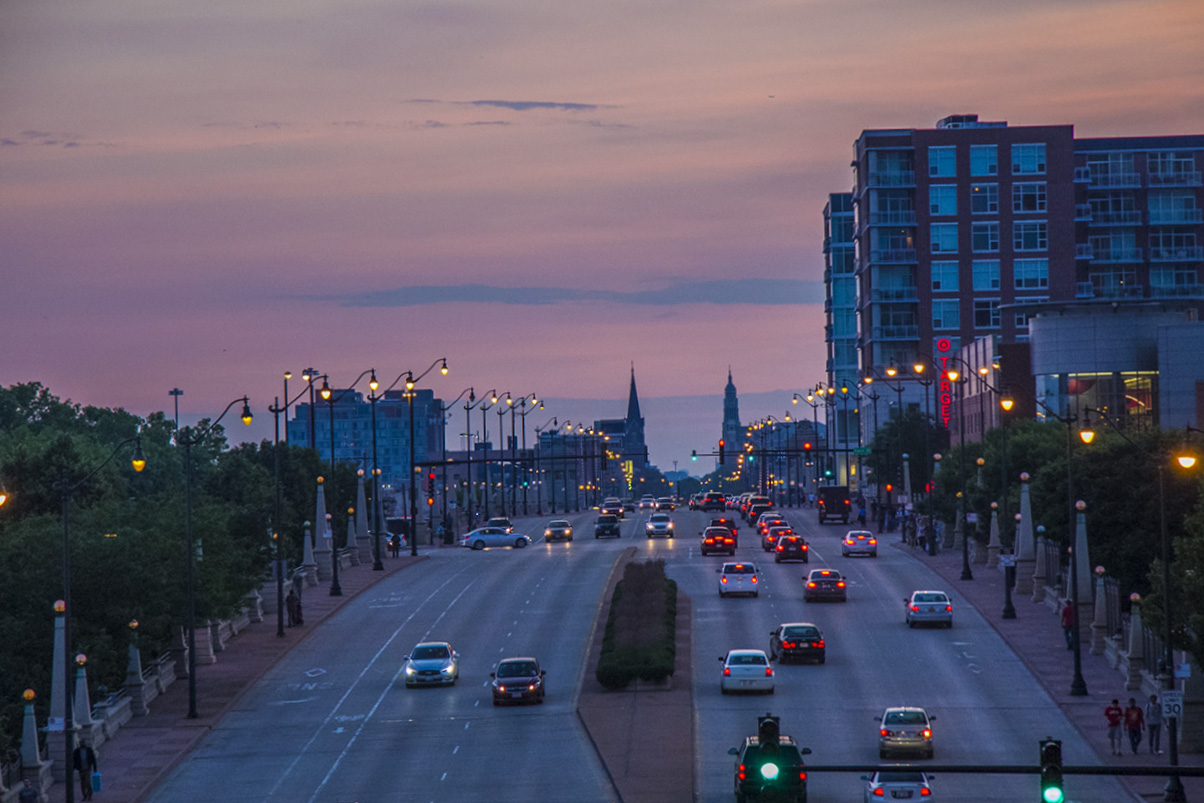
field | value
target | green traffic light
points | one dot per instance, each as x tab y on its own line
1052	794
769	771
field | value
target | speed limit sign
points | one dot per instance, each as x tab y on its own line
1172	704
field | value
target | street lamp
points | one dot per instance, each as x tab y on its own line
468	407
189	437
554	425
443	442
276	410
67	490
331	399
309	375
410	381
956	378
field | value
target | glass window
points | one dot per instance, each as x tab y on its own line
984	198
1028	197
1031	274
944	238
985	236
942	199
1028	159
946	315
942	161
986	274
986	313
1029	235
984	160
944	277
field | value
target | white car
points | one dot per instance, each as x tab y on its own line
738	578
659	524
928	607
647	503
859	542
432	663
493	536
896	784
746	670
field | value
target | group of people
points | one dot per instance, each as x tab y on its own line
1134	720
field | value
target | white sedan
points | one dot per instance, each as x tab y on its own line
432	663
493	536
900	784
746	670
928	607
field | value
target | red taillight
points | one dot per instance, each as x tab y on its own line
818	644
788	645
840	584
769	671
879	793
915	607
727	672
811	585
804	547
740	772
846	501
925	791
884	732
948	608
927	734
781	548
873	540
754	579
723	579
802	776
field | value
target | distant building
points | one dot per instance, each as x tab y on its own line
733	432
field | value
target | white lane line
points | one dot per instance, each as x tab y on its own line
466	724
456	750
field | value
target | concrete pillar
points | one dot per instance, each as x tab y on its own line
32	766
254	605
322	557
363	534
309	564
82	712
204	644
1040	570
1099	621
1191	725
1135	653
351	549
179	651
1025	560
58	702
135	686
993	542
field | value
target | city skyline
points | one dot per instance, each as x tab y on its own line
202	198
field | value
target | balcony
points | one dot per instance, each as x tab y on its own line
1177	217
893	218
1187	253
1084	251
895	294
1177	178
1177	291
1120	291
1130	217
900	256
897	178
1084	290
896	332
1111	181
1082	213
1117	254
1082	175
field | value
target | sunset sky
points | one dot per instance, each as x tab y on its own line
202	195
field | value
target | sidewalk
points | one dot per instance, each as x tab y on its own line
1035	635
146	748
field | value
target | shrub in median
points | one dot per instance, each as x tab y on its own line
638	642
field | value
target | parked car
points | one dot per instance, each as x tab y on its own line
859	542
493	536
431	663
517	680
797	640
558	530
928	607
717	540
825	584
905	729
738	578
746	670
608	526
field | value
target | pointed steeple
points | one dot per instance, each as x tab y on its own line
633	400
634	446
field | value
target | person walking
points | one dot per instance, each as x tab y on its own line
292	604
1134	724
1153	723
1114	715
1068	623
84	761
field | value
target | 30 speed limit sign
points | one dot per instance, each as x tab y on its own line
1172	704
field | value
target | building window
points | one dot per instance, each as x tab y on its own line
985	236
984	160
1173	277
1173	207
984	199
986	313
946	315
1028	159
944	238
1174	244
1029	197
1023	317
1030	235
944	277
942	199
986	274
1031	274
1170	168
942	161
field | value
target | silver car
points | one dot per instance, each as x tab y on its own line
493	536
659	524
905	729
432	663
928	607
897	784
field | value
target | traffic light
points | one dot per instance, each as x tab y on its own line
430	483
693	455
722	454
768	730
1051	771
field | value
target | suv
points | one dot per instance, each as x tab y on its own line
500	522
713	501
759	777
607	525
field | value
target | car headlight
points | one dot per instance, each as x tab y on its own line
547	533
411	670
447	670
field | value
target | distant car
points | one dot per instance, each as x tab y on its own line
905	729
628	505
928	607
772	534
717	540
859	542
607	525
768	521
755	511
665	503
558	530
791	547
801	641
647	503
738	578
730	524
746	670
432	663
493	536
825	584
612	507
659	524
517	680
713	500
500	522
897	784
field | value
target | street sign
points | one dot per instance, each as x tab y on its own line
1007	560
1172	704
863	451
451	504
1183	670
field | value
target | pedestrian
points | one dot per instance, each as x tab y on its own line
84	761
29	793
1153	723
1068	623
292	604
1134	724
861	515
1114	715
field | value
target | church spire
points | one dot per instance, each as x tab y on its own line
633	400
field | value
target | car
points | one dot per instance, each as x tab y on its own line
825	584
431	663
859	542
693	503
905	729
717	539
647	502
730	524
738	578
517	680
628	505
896	784
607	525
500	522
749	501
767	521
659	524
928	607
666	503
713	500
791	547
797	640
493	536
780	777
772	533
746	670
611	507
558	530
755	511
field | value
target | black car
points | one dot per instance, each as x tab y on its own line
791	547
717	540
607	525
730	524
558	530
713	501
801	641
761	775
825	584
517	680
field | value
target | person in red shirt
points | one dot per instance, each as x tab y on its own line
1114	715
1068	624
1134	723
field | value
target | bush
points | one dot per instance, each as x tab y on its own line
638	642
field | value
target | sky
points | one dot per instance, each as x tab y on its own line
544	192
